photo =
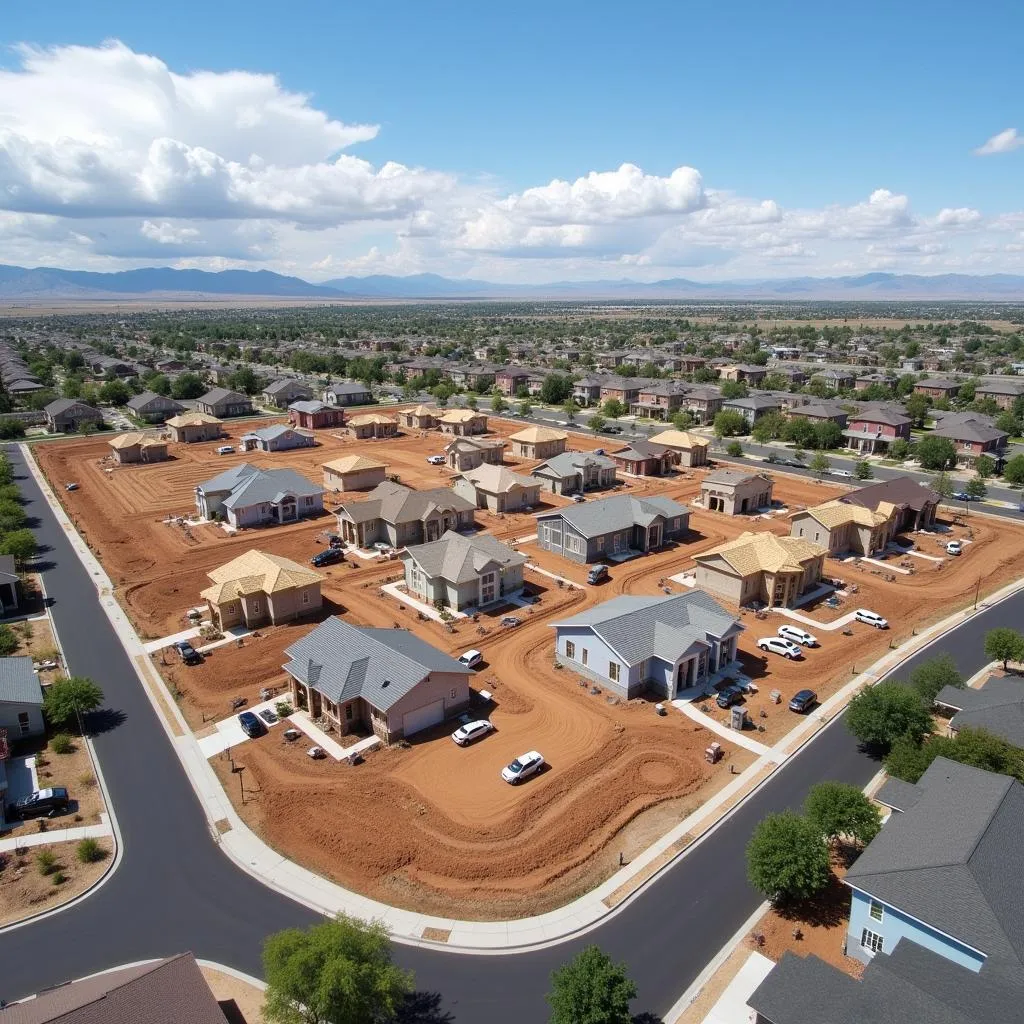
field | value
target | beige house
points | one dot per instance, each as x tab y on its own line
372	424
691	449
353	473
538	443
257	588
192	427
137	447
467	453
463	422
497	489
843	528
761	567
422	417
735	492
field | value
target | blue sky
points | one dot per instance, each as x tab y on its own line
814	108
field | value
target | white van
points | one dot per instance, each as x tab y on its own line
871	618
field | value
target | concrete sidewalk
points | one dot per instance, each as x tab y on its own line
58	835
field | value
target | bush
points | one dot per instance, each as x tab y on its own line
734	449
787	858
59	878
284	708
46	861
8	641
88	851
10	429
880	715
60	743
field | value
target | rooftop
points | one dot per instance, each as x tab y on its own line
257	572
461	559
764	552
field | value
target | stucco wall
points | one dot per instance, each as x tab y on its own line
9	712
437	686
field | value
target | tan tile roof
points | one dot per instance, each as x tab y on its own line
764	552
353	464
127	440
680	439
535	435
256	572
838	513
498	479
461	416
369	418
191	419
420	410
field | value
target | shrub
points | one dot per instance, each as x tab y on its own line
87	779
60	743
46	861
59	878
89	851
284	708
9	641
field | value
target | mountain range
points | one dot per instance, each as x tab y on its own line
40	283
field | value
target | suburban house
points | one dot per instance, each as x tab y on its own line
497	488
835	380
821	412
372	424
137	447
10	585
222	403
420	417
385	680
703	404
587	390
761	567
21	699
576	472
666	645
315	415
257	588
611	528
871	431
915	504
625	390
867	380
153	408
397	515
659	400
66	415
279	437
972	439
937	388
735	491
690	449
753	407
644	458
354	473
281	393
511	379
247	496
997	707
843	528
1003	393
467	452
347	393
463	422
459	572
192	427
538	443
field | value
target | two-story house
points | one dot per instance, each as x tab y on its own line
659	400
397	515
872	431
575	473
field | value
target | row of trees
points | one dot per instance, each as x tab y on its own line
15	537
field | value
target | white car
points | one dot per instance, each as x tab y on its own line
798	636
436	460
381	545
777	645
523	767
954	547
471	731
844	473
871	618
471	658
226	449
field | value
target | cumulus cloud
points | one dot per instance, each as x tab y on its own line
1003	142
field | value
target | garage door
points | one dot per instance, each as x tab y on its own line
423	718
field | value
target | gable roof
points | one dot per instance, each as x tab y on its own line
732	477
420	411
369	418
216	396
876	415
276	430
62	405
537	435
343	661
354	464
570	463
139	402
192	419
136	439
249	485
460	559
680	439
764	552
257	572
619	512
19	683
966	430
496	479
286	384
997	707
638	451
900	490
347	387
462	416
396	503
838	513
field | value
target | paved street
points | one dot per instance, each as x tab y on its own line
174	891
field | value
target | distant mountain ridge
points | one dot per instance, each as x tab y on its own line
55	283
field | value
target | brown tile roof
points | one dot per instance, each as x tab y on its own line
256	572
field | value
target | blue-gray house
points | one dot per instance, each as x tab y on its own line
666	644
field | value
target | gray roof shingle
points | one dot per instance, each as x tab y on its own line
249	485
19	683
396	503
619	512
461	559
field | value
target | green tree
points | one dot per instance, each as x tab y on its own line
985	466
879	715
525	408
943	486
11	429
613	409
976	747
932	676
246	380
115	392
69	697
8	641
6	469
555	389
838	809
966	393
1005	645
900	449
787	858
498	403
12	516
827	434
734	449
917	407
472	403
976	487
936	452
158	383
862	469
591	989
819	464
336	972
21	544
729	423
570	408
768	427
682	420
907	759
1009	423
188	385
596	422
1013	471
734	389
441	394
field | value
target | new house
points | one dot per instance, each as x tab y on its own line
915	504
153	408
315	415
761	567
193	427
463	422
279	437
511	379
281	393
744	372
259	587
665	645
997	707
497	489
248	496
21	699
845	528
736	491
612	528
690	449
703	404
469	452
354	473
222	403
385	680
538	443
872	431
137	447
66	415
459	572
397	515
347	393
372	425
644	458
575	473
420	417
835	380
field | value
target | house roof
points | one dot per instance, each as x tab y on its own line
639	451
900	490
257	572
396	503
369	418
837	513
18	681
537	435
753	402
249	485
637	628
8	573
940	384
309	405
818	410
192	419
138	402
461	416
966	430
62	405
285	384
473	444
217	396
997	707
886	416
570	463
733	477
347	387
420	410
276	430
680	439
497	479
619	512
169	991
343	661
764	552
999	387
461	559
354	464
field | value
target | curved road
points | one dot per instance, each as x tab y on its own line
174	890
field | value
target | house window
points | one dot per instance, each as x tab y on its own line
613	671
348	712
305	597
871	941
307	502
452	693
600	543
572	543
583	655
255	606
570	649
876	910
675	523
23	722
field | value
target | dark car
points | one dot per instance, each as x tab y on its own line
327	557
610	429
794	463
251	725
729	696
802	701
963	496
43	803
188	653
597	574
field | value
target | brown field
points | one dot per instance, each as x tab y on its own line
458	840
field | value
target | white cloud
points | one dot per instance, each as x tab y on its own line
166	233
1003	142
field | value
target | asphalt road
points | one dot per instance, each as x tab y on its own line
175	891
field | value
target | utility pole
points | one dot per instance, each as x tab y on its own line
977	591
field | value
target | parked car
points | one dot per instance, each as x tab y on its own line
381	545
188	654
871	618
803	700
522	767
599	451
597	574
471	658
798	636
610	429
772	459
843	474
471	731
511	620
579	497
954	547
794	463
251	725
71	487
44	803
436	460
269	715
226	449
327	557
963	496
729	695
777	645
